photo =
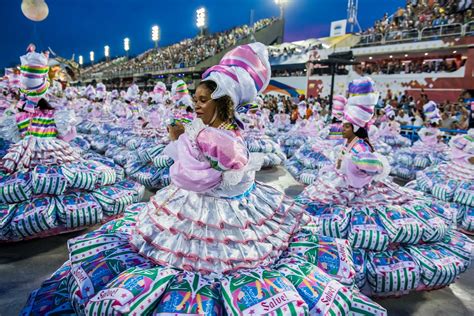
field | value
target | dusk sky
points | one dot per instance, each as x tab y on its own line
79	26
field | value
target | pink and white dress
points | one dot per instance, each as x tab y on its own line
214	217
214	242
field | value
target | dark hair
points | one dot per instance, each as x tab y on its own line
189	109
44	105
362	134
225	106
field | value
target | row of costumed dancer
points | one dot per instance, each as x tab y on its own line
214	241
46	186
430	162
311	144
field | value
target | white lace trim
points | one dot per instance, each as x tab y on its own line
193	129
386	168
234	177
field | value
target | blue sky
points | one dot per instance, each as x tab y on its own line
79	26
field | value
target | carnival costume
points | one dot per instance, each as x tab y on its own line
452	183
214	242
256	139
48	187
401	242
429	150
304	166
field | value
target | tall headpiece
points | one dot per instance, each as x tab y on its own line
361	103
34	78
241	74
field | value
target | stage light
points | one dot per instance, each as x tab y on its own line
406	55
370	57
126	44
155	34
426	54
91	56
81	60
391	56
106	51
454	52
201	18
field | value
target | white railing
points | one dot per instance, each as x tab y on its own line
413	35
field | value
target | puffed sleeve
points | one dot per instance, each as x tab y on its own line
223	150
202	154
360	147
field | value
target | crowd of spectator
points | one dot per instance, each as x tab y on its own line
409	110
184	54
412	66
419	14
103	65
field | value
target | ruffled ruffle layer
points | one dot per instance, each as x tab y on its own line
33	151
208	234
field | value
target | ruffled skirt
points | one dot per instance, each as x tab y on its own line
402	242
106	276
305	164
208	234
33	151
55	194
451	184
407	162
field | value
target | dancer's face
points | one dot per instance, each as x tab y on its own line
347	130
205	106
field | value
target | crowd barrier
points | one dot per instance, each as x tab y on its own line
413	35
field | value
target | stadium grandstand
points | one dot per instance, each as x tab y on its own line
186	59
421	51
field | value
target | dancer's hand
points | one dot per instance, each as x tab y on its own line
175	130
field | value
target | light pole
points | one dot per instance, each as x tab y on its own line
91	57
81	60
282	4
201	19
126	45
107	52
155	34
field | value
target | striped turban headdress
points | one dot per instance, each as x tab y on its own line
34	81
241	74
361	103
431	112
338	105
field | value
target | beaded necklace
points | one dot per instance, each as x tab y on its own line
227	126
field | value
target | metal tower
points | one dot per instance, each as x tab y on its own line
352	7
